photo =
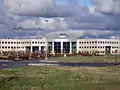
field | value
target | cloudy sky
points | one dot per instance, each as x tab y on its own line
96	18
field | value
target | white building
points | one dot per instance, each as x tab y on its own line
23	45
61	43
100	45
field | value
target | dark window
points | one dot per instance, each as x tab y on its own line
57	47
66	46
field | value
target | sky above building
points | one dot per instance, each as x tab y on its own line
38	17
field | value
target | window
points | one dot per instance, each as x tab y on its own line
57	47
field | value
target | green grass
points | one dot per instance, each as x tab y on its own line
60	78
79	58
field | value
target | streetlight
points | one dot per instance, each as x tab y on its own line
46	49
18	29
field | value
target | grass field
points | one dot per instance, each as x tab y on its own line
79	58
62	78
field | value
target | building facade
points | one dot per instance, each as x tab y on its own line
100	46
22	45
60	44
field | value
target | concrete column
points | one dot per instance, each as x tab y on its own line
31	49
70	47
39	48
61	47
77	43
53	52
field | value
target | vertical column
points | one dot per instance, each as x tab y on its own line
77	43
70	48
39	48
53	48
31	49
61	47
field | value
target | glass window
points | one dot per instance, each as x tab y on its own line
57	47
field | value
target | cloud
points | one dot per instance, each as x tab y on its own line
107	6
31	14
6	24
37	8
52	24
110	8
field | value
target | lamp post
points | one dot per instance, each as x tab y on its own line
18	29
46	49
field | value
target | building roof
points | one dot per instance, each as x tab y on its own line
71	35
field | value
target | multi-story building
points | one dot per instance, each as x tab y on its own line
61	43
100	45
22	45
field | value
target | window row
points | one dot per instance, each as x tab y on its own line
22	42
99	42
8	47
96	47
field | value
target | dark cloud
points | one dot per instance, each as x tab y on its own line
73	16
